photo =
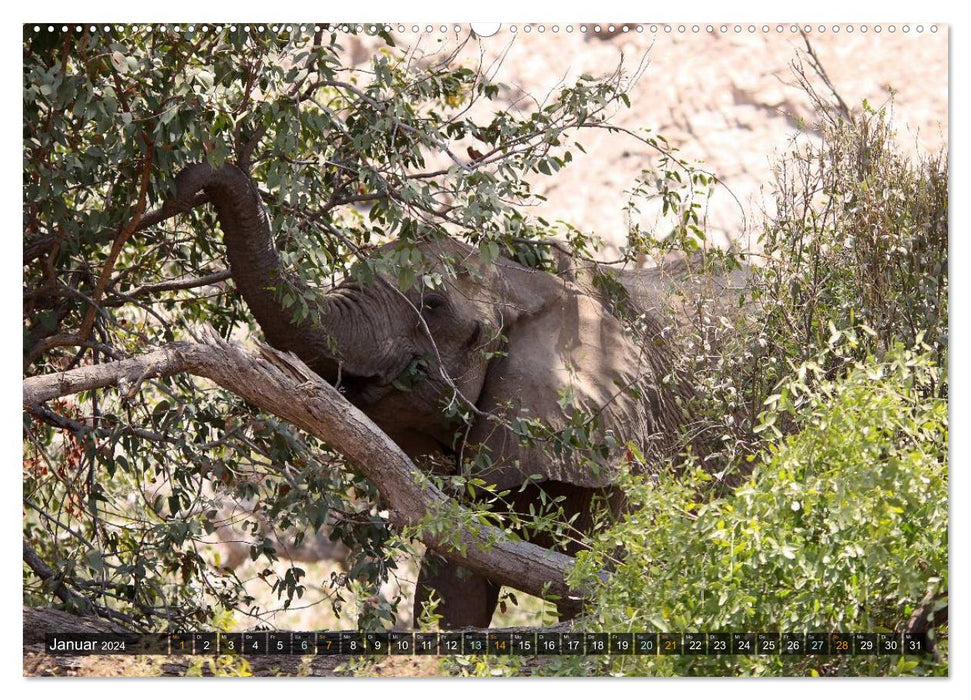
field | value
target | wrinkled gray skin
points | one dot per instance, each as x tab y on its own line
513	341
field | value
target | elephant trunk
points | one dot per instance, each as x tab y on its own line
255	264
335	339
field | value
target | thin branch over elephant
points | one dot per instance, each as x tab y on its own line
485	369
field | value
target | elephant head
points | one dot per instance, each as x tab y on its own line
511	347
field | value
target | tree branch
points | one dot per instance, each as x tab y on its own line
65	340
69	597
283	385
88	323
177	205
180	283
46	574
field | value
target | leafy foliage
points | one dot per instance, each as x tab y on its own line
842	526
121	491
818	501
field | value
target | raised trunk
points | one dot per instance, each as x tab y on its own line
256	266
349	337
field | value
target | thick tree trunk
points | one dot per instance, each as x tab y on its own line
283	385
39	622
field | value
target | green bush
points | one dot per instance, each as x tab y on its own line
842	526
821	501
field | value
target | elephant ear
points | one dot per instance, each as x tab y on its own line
566	360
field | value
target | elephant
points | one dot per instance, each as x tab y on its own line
511	345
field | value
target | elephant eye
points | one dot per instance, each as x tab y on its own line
431	302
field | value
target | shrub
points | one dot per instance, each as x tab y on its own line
860	238
841	526
857	243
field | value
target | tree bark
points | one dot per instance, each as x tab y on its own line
283	385
39	622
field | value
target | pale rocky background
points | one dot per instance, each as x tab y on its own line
728	100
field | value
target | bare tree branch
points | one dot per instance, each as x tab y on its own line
842	109
69	597
39	622
180	283
283	385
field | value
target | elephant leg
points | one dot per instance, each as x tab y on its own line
467	599
580	506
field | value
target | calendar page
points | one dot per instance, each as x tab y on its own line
539	349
